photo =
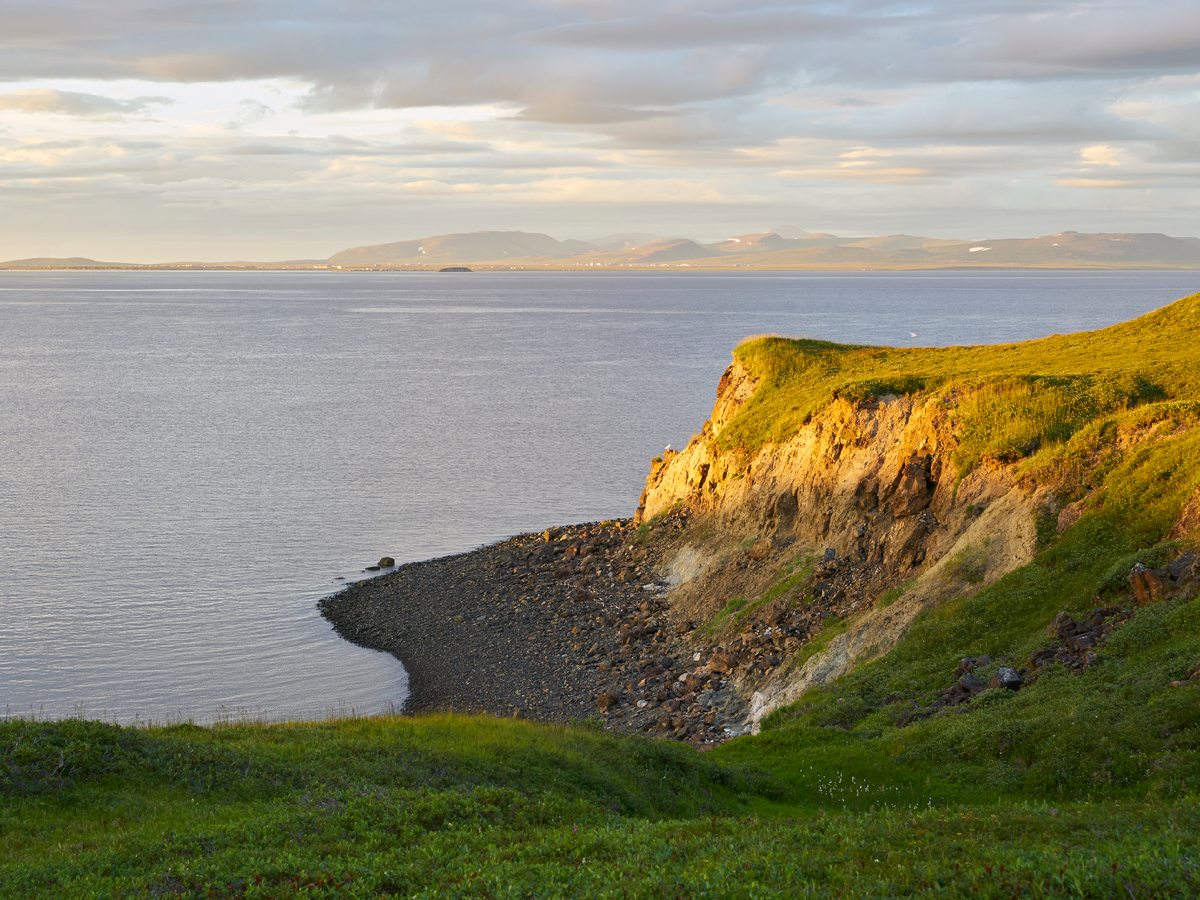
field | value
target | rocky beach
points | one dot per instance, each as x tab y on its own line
558	626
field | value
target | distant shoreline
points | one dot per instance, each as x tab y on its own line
596	270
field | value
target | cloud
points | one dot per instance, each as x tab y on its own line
469	51
1100	155
72	103
1093	183
527	107
250	112
566	112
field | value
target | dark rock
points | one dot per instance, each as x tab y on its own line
1063	626
971	682
387	562
1182	567
913	490
1039	656
1007	678
1084	641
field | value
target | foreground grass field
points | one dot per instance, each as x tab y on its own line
1080	784
458	806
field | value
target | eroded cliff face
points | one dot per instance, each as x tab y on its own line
870	493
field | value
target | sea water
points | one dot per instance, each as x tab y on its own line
190	460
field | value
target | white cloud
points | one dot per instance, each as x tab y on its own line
74	103
343	117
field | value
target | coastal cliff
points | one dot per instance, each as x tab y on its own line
816	548
995	547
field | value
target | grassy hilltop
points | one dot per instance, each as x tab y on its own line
1082	783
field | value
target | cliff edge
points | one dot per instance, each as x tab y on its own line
839	492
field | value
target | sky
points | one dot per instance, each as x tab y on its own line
160	130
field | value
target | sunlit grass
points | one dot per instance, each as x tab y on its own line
1040	390
1077	785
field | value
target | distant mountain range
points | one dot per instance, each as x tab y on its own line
770	249
785	247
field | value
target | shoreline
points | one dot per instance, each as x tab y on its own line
957	266
559	627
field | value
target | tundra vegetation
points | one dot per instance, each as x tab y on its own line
1081	783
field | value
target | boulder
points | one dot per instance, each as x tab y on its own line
912	492
1182	567
971	682
1040	656
386	562
720	663
1063	626
762	548
1083	641
1008	678
1147	584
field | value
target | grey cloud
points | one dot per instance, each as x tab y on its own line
692	29
377	53
566	112
709	92
72	103
973	114
265	149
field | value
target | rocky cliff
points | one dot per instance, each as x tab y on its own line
867	494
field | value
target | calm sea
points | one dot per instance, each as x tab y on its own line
190	460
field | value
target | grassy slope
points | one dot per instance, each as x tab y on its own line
1081	785
445	807
1154	356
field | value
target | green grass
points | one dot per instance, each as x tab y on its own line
1077	785
1118	729
738	610
1016	397
969	564
473	807
891	595
725	615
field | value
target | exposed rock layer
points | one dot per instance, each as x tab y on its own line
871	486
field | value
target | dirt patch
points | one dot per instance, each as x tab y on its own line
1189	519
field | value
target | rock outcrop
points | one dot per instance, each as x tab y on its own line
869	487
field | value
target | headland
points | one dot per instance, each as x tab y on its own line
837	497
